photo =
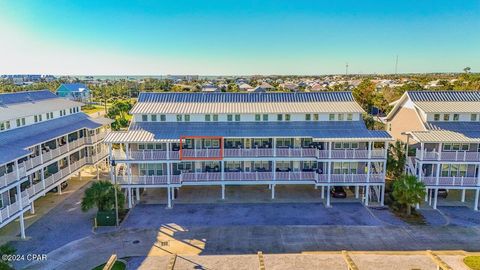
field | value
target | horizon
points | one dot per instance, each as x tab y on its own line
123	38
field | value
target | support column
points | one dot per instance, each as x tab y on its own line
430	196
169	198
427	191
463	195
367	190
129	198
323	192
59	188
475	203
328	196
32	208
273	191
223	192
20	202
382	195
111	158
22	226
137	191
357	192
435	199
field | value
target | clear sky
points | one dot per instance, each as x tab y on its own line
228	37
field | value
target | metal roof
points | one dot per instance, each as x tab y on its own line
25	97
449	132
444	96
52	103
13	143
171	131
246	97
74	87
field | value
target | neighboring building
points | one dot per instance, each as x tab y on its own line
245	87
444	127
263	87
229	139
210	88
44	140
74	91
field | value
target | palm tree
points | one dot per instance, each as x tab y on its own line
101	194
408	191
396	160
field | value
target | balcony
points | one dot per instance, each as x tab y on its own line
296	152
147	179
31	163
201	153
352	154
351	178
12	209
53	153
153	155
240	152
95	138
460	181
449	156
11	177
95	158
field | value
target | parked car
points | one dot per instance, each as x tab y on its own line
64	185
442	193
338	192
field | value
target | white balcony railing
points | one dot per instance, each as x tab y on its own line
351	178
351	154
200	153
254	152
95	138
448	155
11	177
451	181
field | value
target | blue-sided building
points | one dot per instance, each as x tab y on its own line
74	91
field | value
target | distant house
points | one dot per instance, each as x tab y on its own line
74	91
245	87
264	87
210	88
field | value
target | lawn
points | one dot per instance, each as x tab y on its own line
89	109
117	266
473	262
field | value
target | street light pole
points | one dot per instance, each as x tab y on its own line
115	190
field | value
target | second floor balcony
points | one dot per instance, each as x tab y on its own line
459	155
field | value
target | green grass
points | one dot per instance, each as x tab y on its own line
118	265
473	262
92	109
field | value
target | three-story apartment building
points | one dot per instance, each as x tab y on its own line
204	139
444	128
44	140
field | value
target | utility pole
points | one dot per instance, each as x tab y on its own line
346	69
396	65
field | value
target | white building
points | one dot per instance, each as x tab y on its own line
222	139
44	140
444	128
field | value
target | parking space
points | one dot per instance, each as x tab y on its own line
461	216
147	216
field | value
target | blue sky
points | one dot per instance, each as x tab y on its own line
238	37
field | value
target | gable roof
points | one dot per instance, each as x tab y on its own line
25	96
73	87
449	132
440	101
200	103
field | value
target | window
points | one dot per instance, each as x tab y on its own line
215	117
456	147
237	117
5	125
48	116
331	117
465	147
51	114
153	117
144	118
20	122
35	118
340	117
71	111
61	113
287	117
349	117
279	117
446	117
151	169
337	145
316	117
456	117
265	117
436	117
187	117
179	118
163	117
308	117
257	117
473	117
229	117
207	117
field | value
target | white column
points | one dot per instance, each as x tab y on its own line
329	172
463	195
127	150
223	170
328	196
22	226
422	148
223	192
274	168
273	191
435	198
168	174
137	191
129	173
427	191
382	195
274	146
20	202
42	177
59	188
370	144
369	164
438	173
357	192
430	196
111	158
323	192
367	190
169	198
329	150
129	198
475	203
